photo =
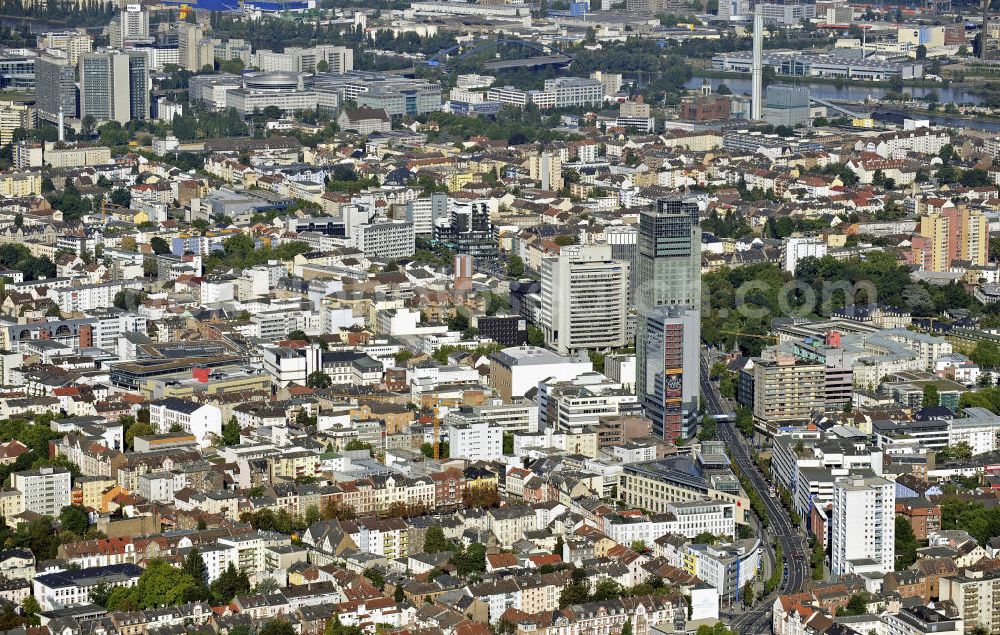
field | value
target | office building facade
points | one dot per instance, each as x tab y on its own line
584	298
786	105
114	86
668	274
787	390
669	372
55	87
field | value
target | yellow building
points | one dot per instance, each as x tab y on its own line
22	184
14	115
953	234
935	229
11	505
975	248
546	168
90	490
292	465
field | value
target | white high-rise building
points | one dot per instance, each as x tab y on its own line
795	248
475	441
584	298
131	24
863	526
45	490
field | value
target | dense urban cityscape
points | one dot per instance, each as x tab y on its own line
491	317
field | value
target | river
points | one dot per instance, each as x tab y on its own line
855	93
34	26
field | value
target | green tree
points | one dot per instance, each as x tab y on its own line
231	583
515	266
921	52
906	543
277	627
818	560
960	451
160	584
607	589
404	355
857	605
434	540
159	246
231	432
471	560
194	565
31	609
398	595
576	592
335	627
239	246
318	379
535	336
138	429
111	133
708	428
376	577
627	627
234	67
931	396
120	197
74	519
322	66
298	335
87	125
986	354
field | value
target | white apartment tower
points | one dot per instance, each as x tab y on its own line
45	490
475	441
131	24
584	298
863	526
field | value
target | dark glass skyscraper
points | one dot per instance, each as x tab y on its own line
668	332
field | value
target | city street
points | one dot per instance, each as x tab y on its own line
794	545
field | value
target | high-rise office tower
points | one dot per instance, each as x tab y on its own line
584	298
863	526
55	87
669	260
191	47
114	86
130	24
669	370
668	274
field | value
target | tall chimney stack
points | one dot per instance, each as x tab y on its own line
757	95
